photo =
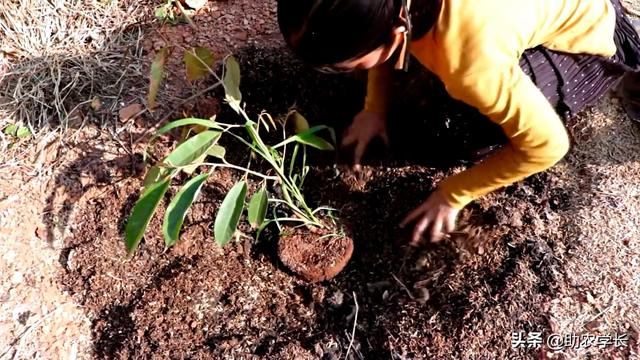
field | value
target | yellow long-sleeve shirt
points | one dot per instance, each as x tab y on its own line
474	48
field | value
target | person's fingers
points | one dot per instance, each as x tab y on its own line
412	216
349	138
419	229
450	224
436	229
359	152
385	137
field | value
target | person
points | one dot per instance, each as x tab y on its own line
524	64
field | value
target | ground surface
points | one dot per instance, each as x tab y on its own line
558	253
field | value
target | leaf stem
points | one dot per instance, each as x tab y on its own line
231	166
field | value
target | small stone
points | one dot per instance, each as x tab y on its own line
337	299
318	295
9	256
24	317
241	36
423	295
195	4
17	278
96	104
130	111
239	248
596	326
41	232
18	312
422	263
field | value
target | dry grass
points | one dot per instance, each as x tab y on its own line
605	267
633	6
64	54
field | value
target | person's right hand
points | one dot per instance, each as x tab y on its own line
365	127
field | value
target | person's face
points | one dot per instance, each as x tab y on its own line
374	58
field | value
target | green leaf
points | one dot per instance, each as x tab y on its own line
195	63
258	208
142	214
299	123
161	13
332	133
315	141
190	169
155	174
217	151
192	149
11	130
23	132
229	213
183	122
231	83
177	209
309	138
157	72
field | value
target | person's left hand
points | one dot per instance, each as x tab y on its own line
435	212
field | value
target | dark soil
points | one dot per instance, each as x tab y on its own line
315	256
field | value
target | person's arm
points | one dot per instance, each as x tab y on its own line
537	136
378	85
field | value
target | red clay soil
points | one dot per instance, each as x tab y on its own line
316	256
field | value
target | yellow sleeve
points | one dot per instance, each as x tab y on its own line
537	136
379	81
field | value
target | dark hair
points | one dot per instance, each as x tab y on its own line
424	13
327	32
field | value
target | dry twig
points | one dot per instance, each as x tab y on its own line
355	323
404	287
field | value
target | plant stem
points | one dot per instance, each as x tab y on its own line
263	150
231	166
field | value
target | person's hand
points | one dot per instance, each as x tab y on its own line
365	127
436	213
